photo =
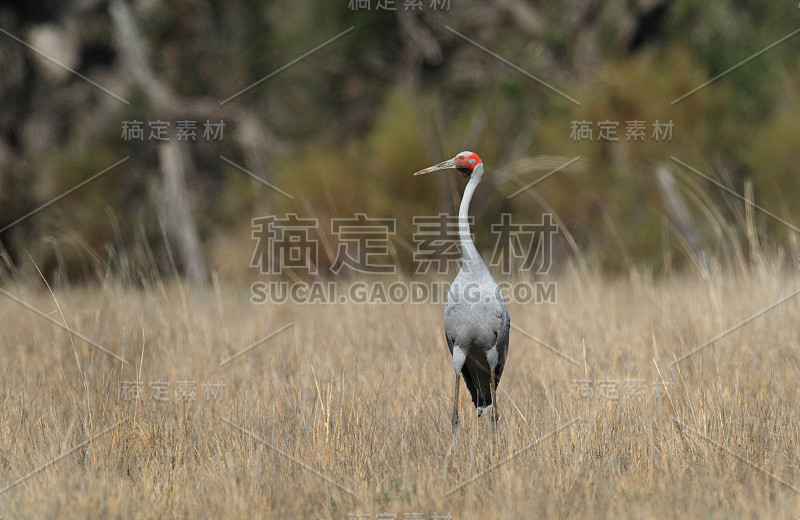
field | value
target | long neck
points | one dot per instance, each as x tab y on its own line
470	254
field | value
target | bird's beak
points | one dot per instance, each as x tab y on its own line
451	163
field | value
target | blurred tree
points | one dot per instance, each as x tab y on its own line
398	91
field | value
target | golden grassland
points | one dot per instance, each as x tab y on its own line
347	410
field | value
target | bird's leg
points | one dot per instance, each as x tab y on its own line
454	419
492	384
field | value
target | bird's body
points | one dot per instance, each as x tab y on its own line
476	320
477	335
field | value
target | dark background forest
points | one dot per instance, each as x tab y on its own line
343	128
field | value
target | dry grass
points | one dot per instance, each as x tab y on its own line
361	394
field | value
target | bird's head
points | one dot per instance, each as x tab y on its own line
465	162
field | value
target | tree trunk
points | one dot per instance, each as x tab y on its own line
175	210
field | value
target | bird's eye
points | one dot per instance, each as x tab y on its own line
460	157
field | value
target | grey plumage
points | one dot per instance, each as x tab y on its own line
476	320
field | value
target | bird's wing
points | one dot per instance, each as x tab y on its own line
477	319
447	335
502	336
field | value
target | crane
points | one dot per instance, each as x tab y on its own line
476	321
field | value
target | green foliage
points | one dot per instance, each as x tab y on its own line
397	491
356	118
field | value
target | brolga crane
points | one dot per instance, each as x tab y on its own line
476	321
